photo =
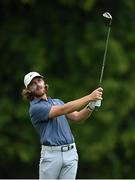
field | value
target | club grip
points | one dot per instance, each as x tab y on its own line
97	104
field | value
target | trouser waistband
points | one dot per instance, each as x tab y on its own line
61	148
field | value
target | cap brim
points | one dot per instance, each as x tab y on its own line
32	77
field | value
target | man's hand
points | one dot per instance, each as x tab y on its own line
98	104
96	94
96	97
91	105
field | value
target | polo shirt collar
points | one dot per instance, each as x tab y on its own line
34	101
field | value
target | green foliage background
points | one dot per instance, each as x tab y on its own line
64	40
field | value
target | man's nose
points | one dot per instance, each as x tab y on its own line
39	84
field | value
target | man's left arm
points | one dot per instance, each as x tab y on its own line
84	114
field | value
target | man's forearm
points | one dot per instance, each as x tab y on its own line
84	114
76	104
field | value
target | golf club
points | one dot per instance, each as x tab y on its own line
108	16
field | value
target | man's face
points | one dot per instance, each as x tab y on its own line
37	87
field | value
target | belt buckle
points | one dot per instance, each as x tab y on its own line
64	148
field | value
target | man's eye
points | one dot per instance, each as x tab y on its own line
39	80
32	84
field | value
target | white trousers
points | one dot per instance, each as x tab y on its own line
58	163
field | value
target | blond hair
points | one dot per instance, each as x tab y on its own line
28	95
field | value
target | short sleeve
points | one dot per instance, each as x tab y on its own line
40	112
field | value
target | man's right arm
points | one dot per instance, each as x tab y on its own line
75	104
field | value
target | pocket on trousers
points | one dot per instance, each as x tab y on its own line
45	156
75	154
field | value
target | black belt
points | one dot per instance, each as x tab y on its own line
62	148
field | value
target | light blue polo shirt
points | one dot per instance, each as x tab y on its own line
55	131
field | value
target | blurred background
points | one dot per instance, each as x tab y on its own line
64	40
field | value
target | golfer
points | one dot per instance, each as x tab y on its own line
59	158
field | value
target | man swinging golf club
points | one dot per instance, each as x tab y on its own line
59	158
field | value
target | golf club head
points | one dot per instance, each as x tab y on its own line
107	15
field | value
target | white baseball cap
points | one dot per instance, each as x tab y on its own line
28	77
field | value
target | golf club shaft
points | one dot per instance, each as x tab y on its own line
104	58
98	103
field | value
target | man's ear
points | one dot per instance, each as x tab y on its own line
28	90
